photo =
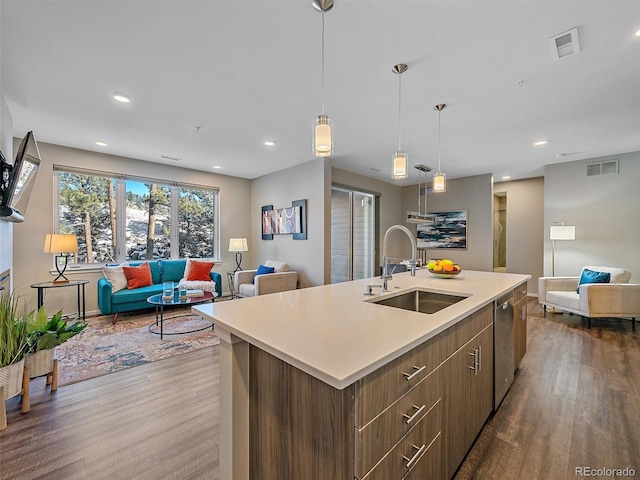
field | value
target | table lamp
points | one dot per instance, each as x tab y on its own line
63	245
559	231
238	245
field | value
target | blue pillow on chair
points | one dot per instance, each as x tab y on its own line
589	276
261	271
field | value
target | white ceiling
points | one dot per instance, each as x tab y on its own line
249	71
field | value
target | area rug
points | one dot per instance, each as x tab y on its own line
106	348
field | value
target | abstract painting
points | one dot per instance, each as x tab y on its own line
448	231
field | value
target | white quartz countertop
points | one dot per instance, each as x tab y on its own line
336	334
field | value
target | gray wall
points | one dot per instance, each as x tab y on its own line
35	266
525	230
310	257
605	210
474	194
6	145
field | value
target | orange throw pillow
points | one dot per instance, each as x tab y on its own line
139	276
200	271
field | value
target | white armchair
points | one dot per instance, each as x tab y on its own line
617	299
248	284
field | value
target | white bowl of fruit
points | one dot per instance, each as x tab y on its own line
443	268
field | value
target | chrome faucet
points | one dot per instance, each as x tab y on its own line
386	276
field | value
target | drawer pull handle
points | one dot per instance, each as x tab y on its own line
415	415
418	370
476	361
416	457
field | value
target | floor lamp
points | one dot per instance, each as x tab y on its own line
559	231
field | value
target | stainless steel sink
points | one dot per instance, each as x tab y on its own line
420	301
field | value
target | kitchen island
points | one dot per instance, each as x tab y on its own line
308	378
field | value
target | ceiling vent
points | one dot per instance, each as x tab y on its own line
564	44
602	168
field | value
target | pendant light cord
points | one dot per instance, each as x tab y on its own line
439	140
400	114
419	178
322	62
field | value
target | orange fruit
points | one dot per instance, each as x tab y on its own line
437	268
448	268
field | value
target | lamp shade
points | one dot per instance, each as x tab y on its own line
562	232
439	182
400	161
238	245
322	137
60	243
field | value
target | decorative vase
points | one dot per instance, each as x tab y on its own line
13	382
43	362
11	379
40	363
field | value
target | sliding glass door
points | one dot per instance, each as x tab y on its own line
352	235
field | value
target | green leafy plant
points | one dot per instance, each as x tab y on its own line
47	333
14	334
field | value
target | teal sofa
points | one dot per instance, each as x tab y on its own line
126	300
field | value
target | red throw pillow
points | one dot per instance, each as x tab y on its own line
200	271
139	276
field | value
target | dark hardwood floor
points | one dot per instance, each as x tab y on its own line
155	421
575	403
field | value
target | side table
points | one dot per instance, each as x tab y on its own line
72	283
231	280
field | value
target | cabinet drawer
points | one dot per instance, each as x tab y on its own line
519	292
375	439
457	335
421	445
376	391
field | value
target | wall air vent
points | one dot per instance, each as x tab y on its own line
564	44
173	159
602	168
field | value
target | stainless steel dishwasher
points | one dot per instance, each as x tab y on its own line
503	351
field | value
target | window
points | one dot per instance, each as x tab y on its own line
118	218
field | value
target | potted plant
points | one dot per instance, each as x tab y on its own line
44	336
14	345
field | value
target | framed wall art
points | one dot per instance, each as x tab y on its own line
448	231
282	221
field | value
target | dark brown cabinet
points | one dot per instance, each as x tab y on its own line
520	323
467	397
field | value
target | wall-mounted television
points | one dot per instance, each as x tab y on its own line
18	180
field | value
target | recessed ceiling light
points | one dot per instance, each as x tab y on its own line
269	143
506	177
217	167
638	33
540	143
101	144
121	98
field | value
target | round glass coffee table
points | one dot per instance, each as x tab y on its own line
159	302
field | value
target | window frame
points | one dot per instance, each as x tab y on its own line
120	181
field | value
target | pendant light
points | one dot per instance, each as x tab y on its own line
400	160
439	178
419	217
322	127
